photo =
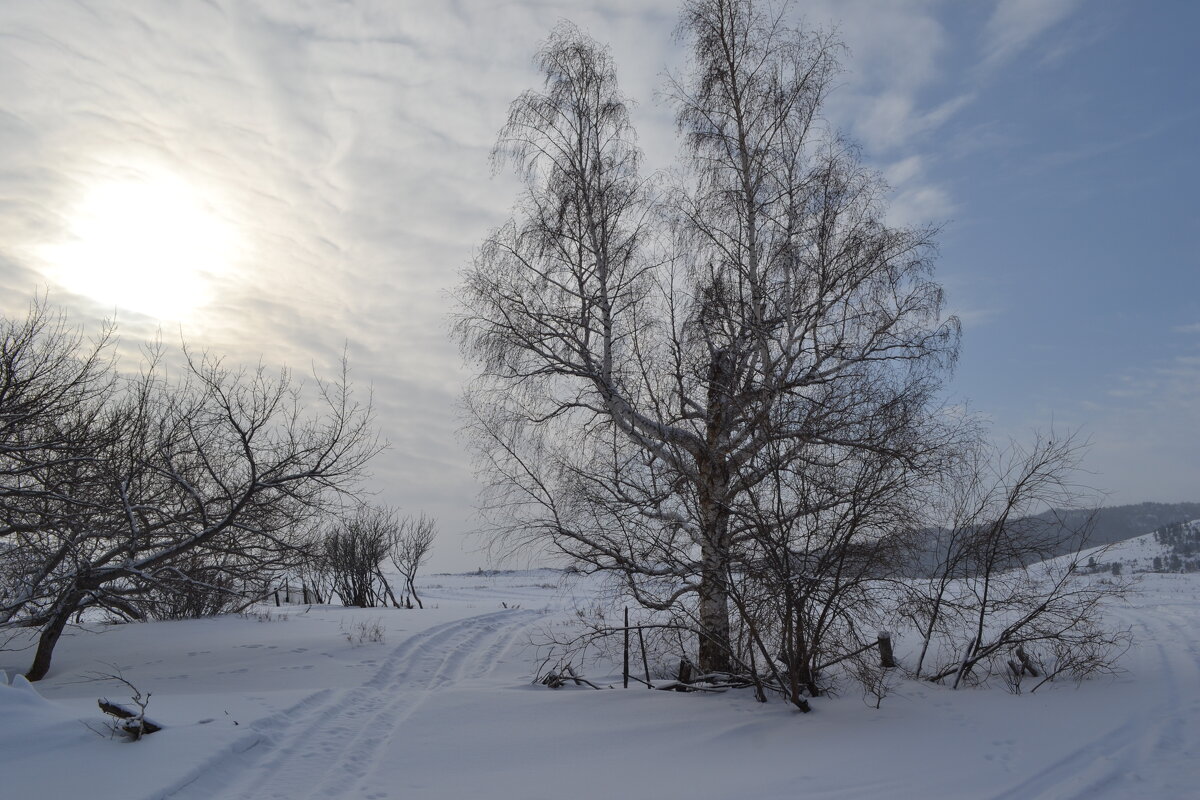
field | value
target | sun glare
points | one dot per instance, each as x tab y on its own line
150	245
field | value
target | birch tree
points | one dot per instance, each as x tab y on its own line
650	353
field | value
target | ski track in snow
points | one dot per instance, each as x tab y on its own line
325	744
1147	756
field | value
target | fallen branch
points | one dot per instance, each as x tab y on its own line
691	687
129	722
557	680
131	717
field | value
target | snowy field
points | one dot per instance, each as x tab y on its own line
299	702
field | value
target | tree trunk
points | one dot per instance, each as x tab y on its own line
50	635
933	617
712	492
714	613
803	664
887	659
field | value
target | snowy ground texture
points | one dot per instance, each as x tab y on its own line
295	703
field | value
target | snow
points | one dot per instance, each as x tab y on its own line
1136	554
289	703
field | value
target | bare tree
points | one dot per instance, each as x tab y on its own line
203	583
995	596
818	553
52	384
129	487
411	542
648	358
352	556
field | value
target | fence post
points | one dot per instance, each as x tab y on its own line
645	662
625	674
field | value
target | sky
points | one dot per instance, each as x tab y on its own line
281	181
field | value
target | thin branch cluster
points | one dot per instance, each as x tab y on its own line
142	496
348	558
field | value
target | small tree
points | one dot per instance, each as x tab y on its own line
201	584
812	581
53	386
411	542
118	490
996	590
353	553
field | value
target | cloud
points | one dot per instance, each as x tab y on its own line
347	143
1141	430
896	51
1016	24
915	200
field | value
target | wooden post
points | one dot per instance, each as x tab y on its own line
645	661
625	674
886	659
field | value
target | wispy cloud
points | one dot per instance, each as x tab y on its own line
1142	426
915	200
1016	24
347	143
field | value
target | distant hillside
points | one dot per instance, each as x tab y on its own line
1118	523
1174	547
1110	525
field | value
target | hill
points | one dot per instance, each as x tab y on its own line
1117	523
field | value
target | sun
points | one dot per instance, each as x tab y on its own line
152	244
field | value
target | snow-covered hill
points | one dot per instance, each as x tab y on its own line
298	702
1171	548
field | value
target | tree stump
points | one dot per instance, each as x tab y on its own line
685	675
886	659
1026	662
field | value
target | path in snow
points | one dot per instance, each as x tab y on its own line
1148	755
323	745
